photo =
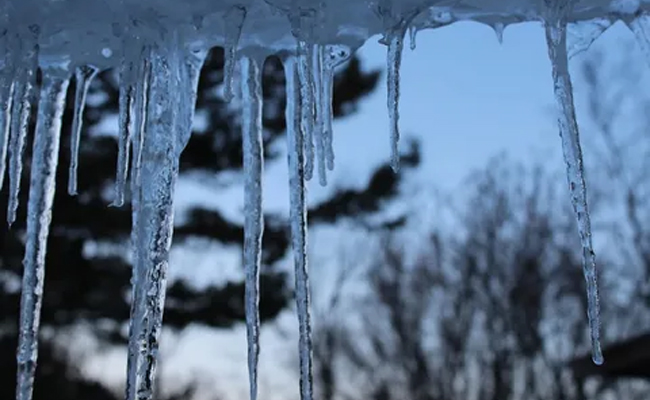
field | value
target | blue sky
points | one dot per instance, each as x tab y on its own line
465	96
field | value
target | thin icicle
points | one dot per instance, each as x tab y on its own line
234	20
153	214
41	197
83	76
640	26
333	56
193	63
298	217
126	127
305	61
251	88
499	27
320	111
21	109
413	34
556	36
6	97
395	41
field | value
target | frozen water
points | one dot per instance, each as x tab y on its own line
41	197
298	216
83	77
162	52
251	86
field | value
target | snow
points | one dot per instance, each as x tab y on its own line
159	47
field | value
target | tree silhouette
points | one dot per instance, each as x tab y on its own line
92	287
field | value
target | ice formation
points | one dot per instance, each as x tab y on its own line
159	47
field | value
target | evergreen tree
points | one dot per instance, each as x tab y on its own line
93	288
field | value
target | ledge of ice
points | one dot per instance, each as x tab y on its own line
92	32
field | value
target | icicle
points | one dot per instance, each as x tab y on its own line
556	36
413	33
193	63
83	77
41	197
21	108
6	95
499	27
321	113
395	41
153	211
251	87
234	20
333	56
126	124
298	216
640	26
142	104
305	61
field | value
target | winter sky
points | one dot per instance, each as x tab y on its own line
465	96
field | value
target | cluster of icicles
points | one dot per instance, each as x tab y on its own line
158	84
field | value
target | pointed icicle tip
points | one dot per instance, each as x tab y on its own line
499	27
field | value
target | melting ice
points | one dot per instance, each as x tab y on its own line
157	57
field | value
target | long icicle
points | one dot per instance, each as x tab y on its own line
395	41
153	213
41	197
126	126
556	37
298	216
234	20
83	77
21	109
135	324
251	88
321	113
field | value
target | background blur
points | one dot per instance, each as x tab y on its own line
458	278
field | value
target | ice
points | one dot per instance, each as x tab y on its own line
582	34
83	77
321	112
395	42
298	219
413	35
556	37
126	124
234	22
41	197
499	27
161	53
27	50
153	211
251	89
6	94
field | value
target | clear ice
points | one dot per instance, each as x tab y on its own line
556	37
251	90
298	218
83	78
163	53
39	215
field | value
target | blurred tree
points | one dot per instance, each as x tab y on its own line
88	273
